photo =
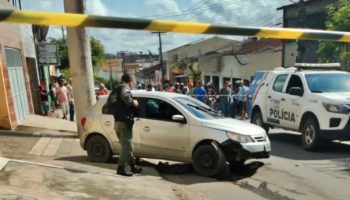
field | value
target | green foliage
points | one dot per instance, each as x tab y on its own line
338	20
66	74
106	82
63	51
97	53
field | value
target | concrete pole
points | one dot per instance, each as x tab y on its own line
80	63
161	56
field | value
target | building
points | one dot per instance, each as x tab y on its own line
253	55
150	73
18	72
111	67
219	60
190	54
310	14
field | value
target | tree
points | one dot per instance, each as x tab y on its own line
187	63
63	52
338	20
97	52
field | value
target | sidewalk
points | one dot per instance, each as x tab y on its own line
37	125
30	180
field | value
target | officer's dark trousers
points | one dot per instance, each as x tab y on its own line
71	111
125	139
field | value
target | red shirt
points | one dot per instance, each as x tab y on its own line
103	91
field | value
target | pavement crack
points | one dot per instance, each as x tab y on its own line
262	190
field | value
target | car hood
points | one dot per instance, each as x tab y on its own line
233	125
335	97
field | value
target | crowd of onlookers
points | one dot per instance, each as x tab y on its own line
58	95
230	100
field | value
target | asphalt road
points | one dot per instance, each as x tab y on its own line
290	173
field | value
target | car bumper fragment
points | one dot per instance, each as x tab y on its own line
235	151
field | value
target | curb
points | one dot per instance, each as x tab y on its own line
38	133
71	169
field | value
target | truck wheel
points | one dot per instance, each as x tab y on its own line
98	149
310	134
258	120
208	160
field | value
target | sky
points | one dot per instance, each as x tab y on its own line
257	13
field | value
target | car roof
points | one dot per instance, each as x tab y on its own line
144	93
141	93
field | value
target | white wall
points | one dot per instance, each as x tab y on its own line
254	62
28	41
290	53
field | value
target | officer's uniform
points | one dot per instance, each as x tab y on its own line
124	120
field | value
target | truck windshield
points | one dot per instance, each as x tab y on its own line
320	83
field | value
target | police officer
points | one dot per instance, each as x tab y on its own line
124	117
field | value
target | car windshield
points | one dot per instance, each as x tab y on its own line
319	83
197	108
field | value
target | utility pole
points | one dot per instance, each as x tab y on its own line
161	56
63	36
110	76
123	63
301	24
80	62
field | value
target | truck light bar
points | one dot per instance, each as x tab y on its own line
317	66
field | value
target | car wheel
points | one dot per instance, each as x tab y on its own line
208	160
98	149
258	120
310	134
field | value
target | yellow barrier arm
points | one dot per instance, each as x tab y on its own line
72	20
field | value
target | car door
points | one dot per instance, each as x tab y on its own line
276	101
107	123
161	137
294	102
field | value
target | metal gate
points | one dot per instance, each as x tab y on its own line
17	83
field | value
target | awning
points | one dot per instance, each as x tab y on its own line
176	70
182	76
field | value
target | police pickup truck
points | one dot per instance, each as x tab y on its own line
313	99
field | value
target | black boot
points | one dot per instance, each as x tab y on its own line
121	171
136	169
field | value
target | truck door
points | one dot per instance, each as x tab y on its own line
295	101
276	101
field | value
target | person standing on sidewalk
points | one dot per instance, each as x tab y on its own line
125	107
242	99
199	92
44	99
62	97
71	100
226	99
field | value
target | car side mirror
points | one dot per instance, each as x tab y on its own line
178	118
296	91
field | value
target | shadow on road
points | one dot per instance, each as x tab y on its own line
289	146
179	173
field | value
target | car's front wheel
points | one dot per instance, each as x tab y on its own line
258	120
98	149
208	160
